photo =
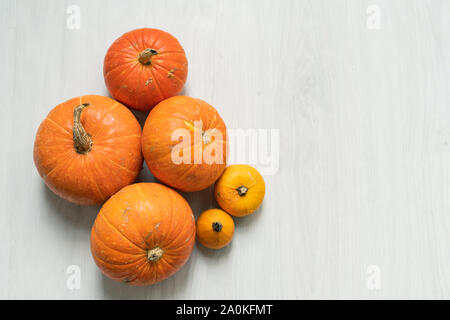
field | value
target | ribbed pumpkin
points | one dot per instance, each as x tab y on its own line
215	228
240	190
184	143
88	148
143	234
144	67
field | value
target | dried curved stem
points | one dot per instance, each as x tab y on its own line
81	139
145	57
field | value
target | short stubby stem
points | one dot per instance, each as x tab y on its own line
155	254
242	190
81	139
145	57
217	226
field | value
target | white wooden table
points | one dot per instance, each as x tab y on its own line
359	91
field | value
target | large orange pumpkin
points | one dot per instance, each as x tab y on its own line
88	148
184	143
144	67
143	234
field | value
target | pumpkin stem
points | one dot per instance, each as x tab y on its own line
217	226
81	139
155	254
145	57
242	190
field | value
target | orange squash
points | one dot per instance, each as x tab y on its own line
143	234
215	228
240	190
88	148
144	67
184	143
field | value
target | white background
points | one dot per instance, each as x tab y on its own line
364	120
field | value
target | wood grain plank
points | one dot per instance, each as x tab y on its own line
364	139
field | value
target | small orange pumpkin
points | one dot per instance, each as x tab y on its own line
215	228
184	143
144	67
143	234
240	190
88	148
